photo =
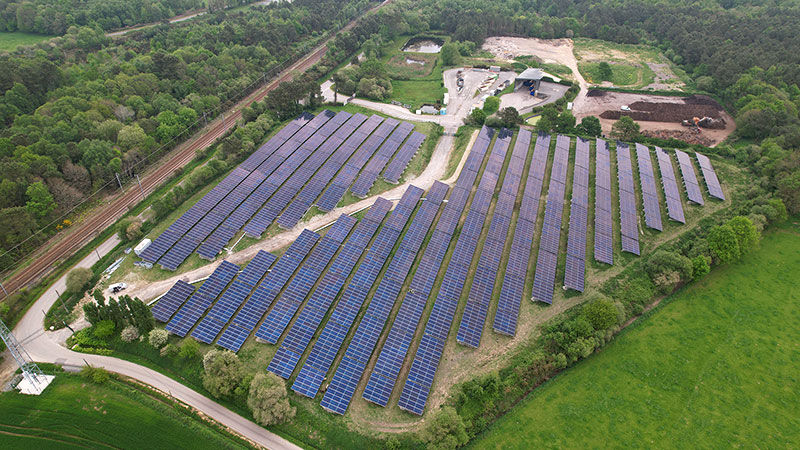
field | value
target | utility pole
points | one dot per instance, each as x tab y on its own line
62	302
4	289
140	181
120	183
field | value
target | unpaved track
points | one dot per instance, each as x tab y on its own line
117	206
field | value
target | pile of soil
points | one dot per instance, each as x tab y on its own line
691	137
683	109
595	93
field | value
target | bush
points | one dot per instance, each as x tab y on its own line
666	269
601	313
723	244
189	349
158	337
476	117
446	430
625	129
267	399
491	105
95	374
169	350
129	334
223	373
78	280
746	233
700	266
104	329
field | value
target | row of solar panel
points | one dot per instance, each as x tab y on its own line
628	216
367	177
603	223
670	186
652	207
575	269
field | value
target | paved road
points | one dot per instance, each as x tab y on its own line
115	207
48	347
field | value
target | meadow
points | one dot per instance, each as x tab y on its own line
76	413
10	40
714	365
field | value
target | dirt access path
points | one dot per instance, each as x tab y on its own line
64	245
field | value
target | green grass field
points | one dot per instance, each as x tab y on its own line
715	366
75	413
9	40
621	74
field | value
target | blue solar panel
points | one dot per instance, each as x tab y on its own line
578	215
188	315
544	277
689	178
603	224
395	168
652	208
670	185
172	300
342	387
712	182
471	328
426	360
284	310
628	217
375	165
253	310
341	320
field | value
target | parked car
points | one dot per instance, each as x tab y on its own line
116	287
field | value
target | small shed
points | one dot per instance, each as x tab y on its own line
429	109
530	77
142	247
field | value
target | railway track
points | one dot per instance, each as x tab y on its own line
115	208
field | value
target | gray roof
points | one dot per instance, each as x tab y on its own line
530	74
428	109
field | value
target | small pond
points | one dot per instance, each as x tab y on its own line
415	61
423	45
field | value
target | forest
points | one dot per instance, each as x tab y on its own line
54	17
76	112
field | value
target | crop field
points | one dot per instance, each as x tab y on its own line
10	40
75	413
715	363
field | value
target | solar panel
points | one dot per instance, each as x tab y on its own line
712	182
191	311
257	305
652	207
351	368
426	360
330	198
575	268
285	308
628	217
375	165
603	224
319	361
549	241
172	300
471	328
689	178
396	167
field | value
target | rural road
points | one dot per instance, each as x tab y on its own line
47	346
116	206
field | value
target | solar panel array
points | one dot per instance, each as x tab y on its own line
295	211
178	228
309	319
216	216
289	182
670	185
689	178
351	368
209	328
257	305
628	217
652	207
395	168
330	198
172	300
480	293
200	301
603	222
505	319
712	182
321	358
387	368
287	305
426	359
545	277
575	269
375	165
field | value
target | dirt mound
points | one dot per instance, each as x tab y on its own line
595	93
683	109
691	137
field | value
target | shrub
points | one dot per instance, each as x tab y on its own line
95	374
446	430
129	334
158	337
267	399
189	349
78	280
723	244
491	105
104	329
700	266
476	117
625	129
169	350
601	313
223	373
666	269
746	233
